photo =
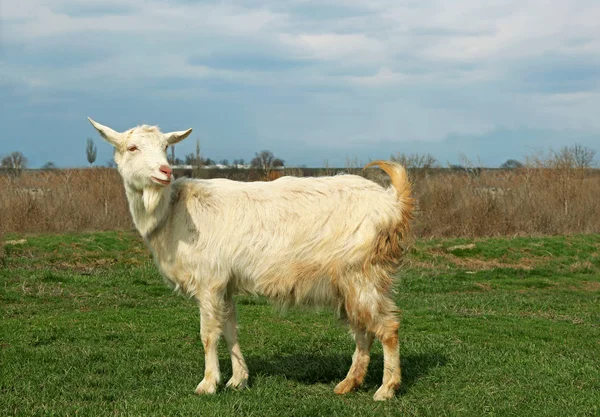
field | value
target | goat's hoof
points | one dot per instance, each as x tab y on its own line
237	383
206	387
345	386
384	393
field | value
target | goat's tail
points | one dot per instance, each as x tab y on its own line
401	183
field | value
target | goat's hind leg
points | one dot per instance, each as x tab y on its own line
387	332
360	362
374	311
239	379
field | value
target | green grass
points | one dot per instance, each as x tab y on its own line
505	327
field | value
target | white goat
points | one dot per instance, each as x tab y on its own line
332	241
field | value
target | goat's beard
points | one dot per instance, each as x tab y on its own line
151	197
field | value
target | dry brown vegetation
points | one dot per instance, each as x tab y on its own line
545	197
534	200
63	200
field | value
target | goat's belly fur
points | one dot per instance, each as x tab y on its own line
306	286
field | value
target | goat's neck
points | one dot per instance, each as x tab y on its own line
148	207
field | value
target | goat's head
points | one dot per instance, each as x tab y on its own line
141	154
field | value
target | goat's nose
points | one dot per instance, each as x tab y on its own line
165	169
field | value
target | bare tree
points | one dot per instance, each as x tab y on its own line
190	159
14	163
265	161
194	158
171	158
416	160
197	162
583	157
91	151
418	165
569	165
576	156
237	162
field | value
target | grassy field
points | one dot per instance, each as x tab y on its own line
489	327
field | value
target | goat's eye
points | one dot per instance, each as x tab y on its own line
166	147
132	148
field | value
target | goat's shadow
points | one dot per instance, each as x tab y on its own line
326	369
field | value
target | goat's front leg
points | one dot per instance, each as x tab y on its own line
239	379
212	315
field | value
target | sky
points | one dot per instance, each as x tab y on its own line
313	81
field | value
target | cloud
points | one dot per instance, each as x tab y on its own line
353	74
93	8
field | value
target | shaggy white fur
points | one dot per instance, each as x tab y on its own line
329	241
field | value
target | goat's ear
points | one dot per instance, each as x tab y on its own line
115	138
174	137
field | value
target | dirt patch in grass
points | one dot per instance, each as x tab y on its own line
42	289
444	260
461	247
486	265
415	264
581	266
15	242
592	286
477	264
85	267
483	285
